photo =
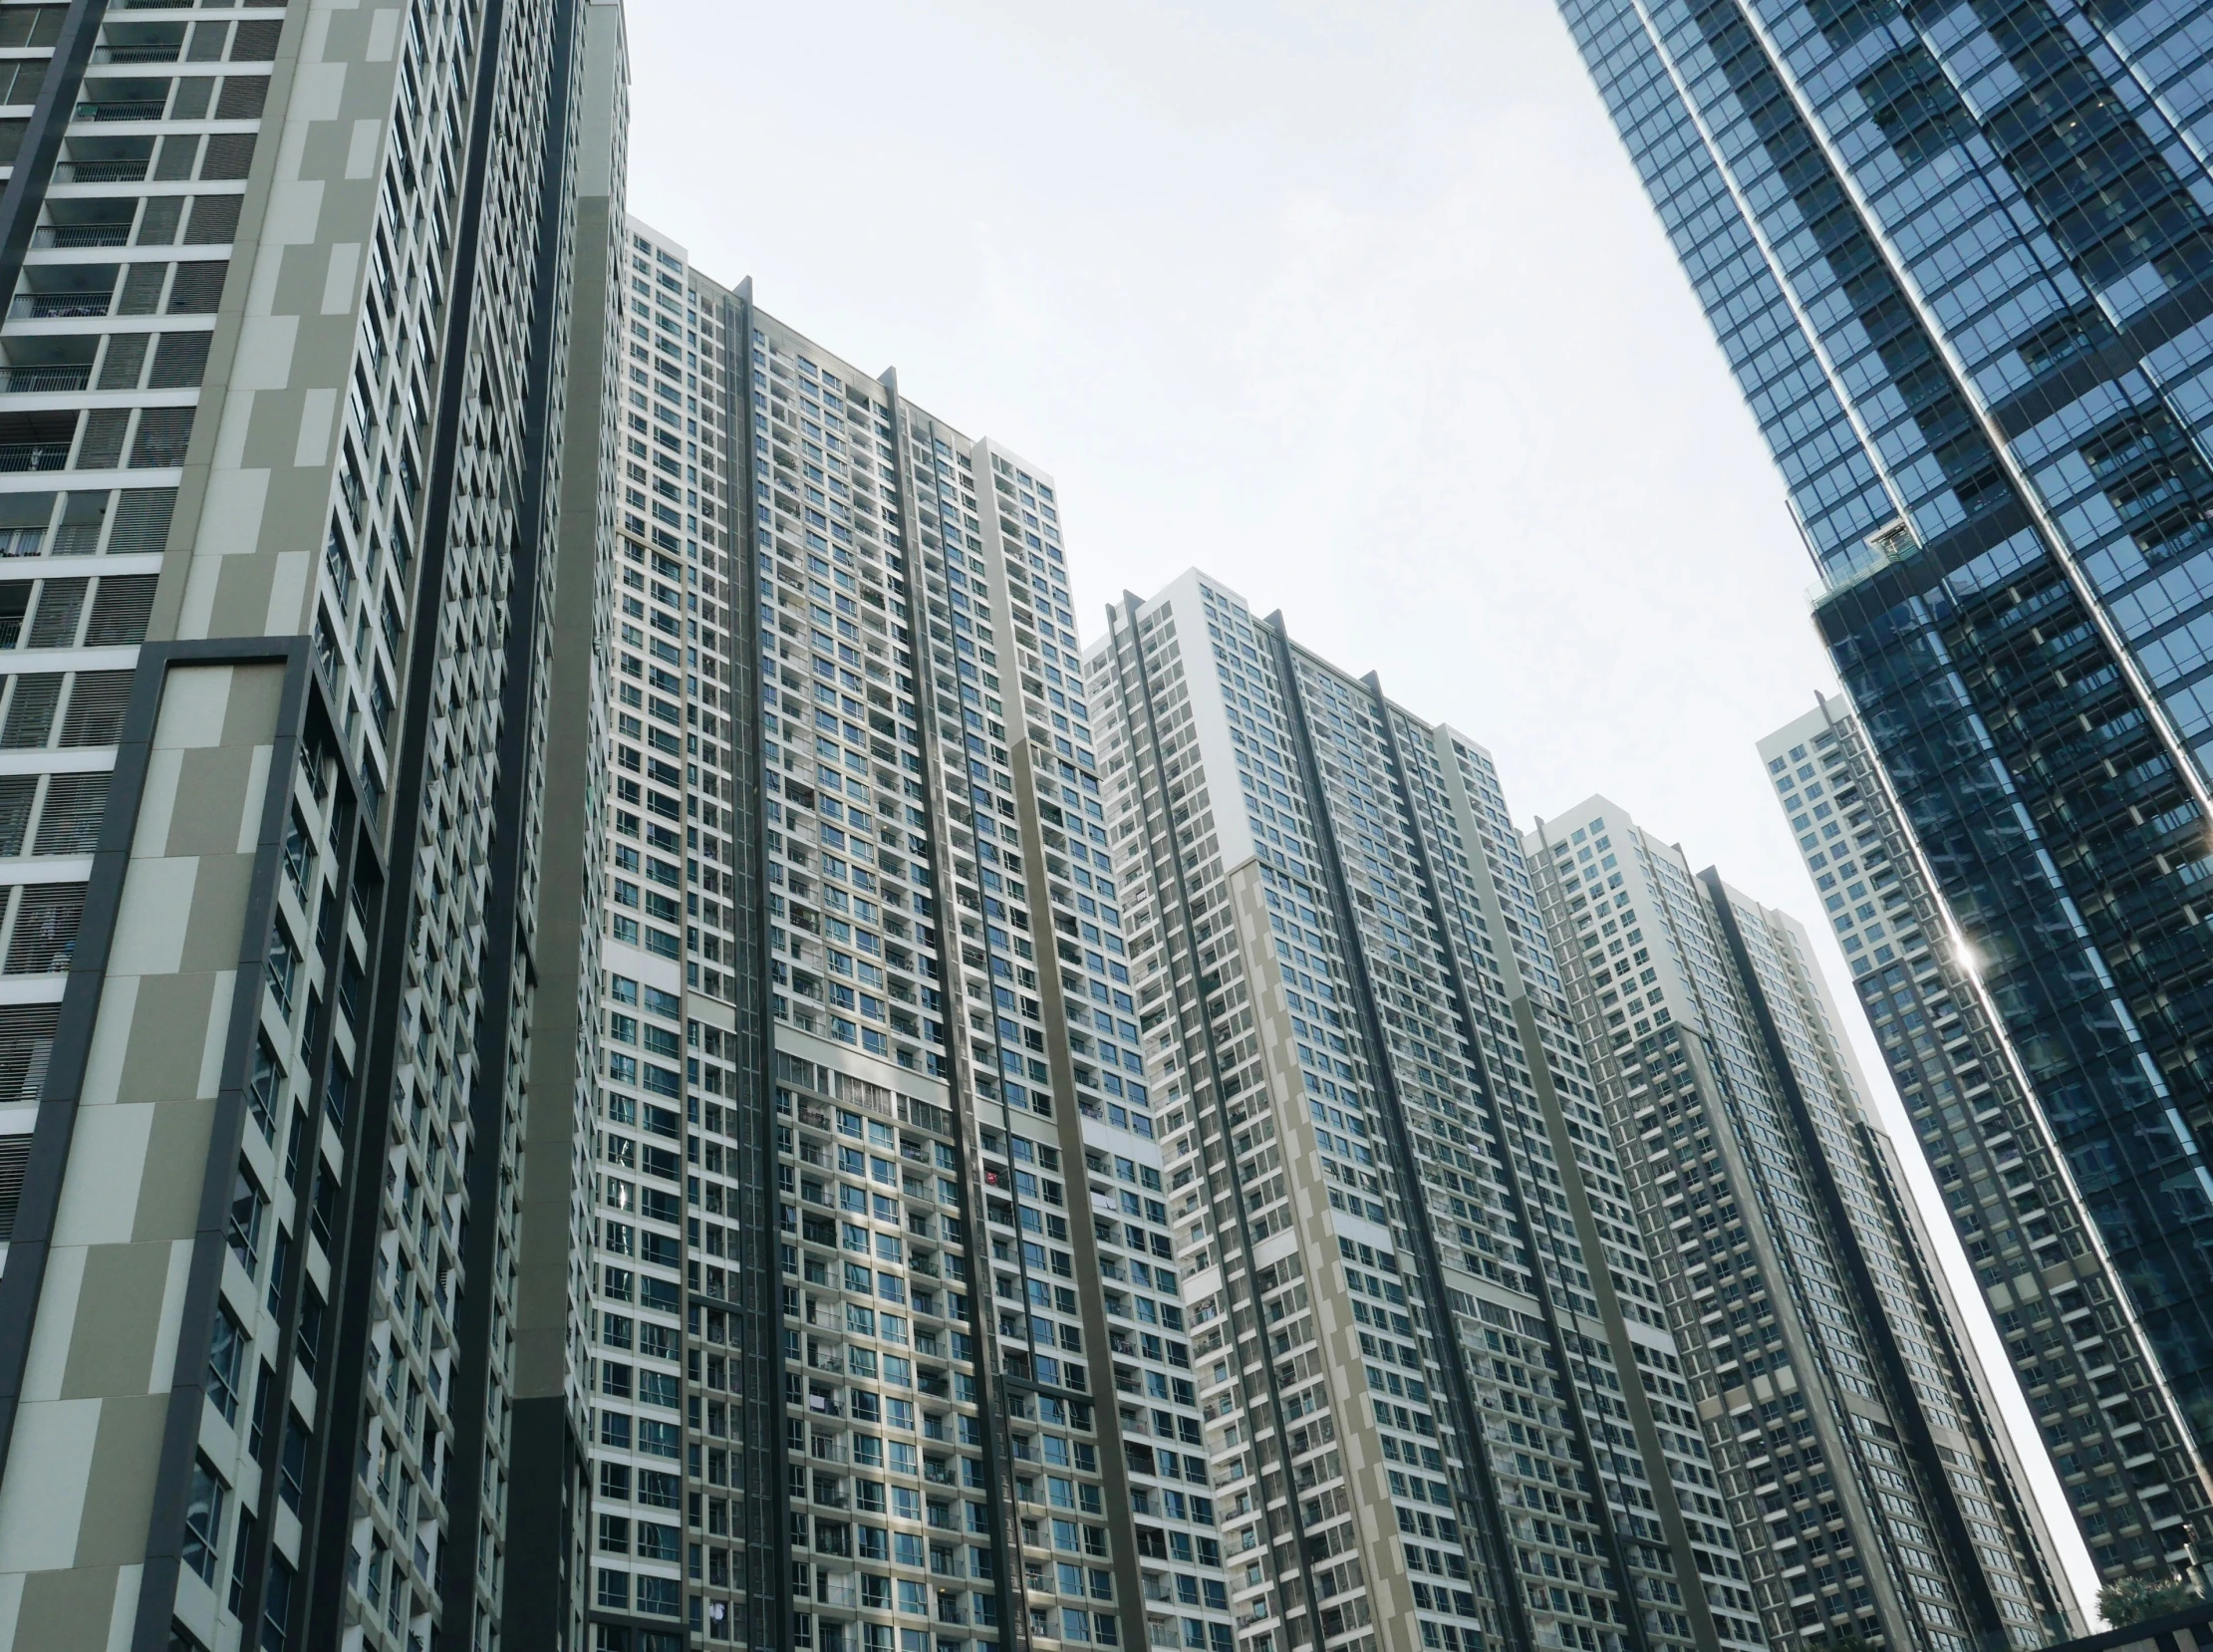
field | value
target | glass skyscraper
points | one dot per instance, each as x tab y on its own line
1960	261
2128	1471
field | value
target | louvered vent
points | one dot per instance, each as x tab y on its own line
70	822
15	1158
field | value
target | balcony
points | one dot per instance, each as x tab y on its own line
112	169
108	110
33	455
58	306
66	236
30	381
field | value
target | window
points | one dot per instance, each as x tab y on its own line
283	968
245	1231
227	1359
276	1605
203	1520
292	1461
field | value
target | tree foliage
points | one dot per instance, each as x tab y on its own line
2138	1600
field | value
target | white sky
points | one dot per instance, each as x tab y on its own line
1360	307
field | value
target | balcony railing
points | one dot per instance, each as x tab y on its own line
122	169
33	455
21	380
80	235
158	51
48	306
132	108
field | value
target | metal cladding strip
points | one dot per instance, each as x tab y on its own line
1905	1410
327	1540
505	946
2124	1302
180	1428
1419	1235
29	179
997	1447
766	1503
1121	624
22	1283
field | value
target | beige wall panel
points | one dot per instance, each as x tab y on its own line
43	1498
171	1014
75	1504
176	1144
119	1499
100	1188
151	916
67	1611
107	1062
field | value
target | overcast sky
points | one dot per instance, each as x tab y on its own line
1358	306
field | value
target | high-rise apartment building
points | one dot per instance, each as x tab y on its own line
549	1527
1875	1493
666	336
1959	261
289	299
2116	1432
887	1345
1430	1349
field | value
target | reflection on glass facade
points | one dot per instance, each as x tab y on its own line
1960	262
2128	1470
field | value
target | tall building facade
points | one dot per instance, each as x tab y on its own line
1959	262
2116	1432
549	1525
887	1348
1849	1422
1431	1352
285	359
